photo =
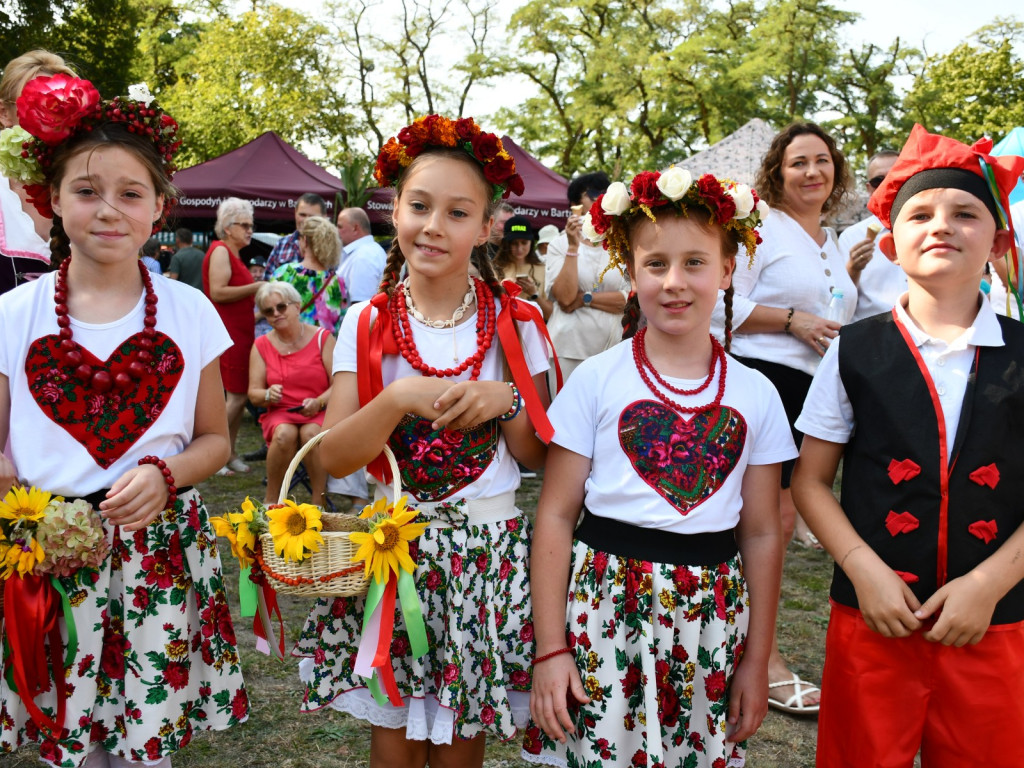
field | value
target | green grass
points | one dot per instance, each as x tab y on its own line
277	735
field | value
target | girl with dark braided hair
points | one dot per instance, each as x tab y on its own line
448	370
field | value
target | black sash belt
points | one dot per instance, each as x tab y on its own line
623	540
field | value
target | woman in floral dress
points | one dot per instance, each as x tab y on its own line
316	278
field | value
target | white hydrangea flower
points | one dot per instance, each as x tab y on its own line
140	92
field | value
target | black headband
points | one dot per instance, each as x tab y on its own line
941	178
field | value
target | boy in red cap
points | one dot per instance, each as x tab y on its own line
925	405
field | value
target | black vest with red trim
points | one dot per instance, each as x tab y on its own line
932	523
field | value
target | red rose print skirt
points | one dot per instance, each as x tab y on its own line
656	646
157	658
473	586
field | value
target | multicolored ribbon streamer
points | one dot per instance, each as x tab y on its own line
373	660
259	600
1015	273
37	601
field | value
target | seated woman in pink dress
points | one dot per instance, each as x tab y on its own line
289	375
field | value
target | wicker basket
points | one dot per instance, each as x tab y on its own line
329	572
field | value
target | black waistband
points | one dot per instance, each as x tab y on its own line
624	540
94	499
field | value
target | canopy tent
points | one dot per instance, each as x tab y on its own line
268	172
544	202
1013	144
737	156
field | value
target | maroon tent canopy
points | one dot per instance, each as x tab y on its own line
268	172
544	201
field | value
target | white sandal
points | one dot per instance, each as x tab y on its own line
794	705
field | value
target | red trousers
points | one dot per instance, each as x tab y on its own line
883	698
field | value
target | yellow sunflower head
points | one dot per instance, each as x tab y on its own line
386	547
21	504
248	524
226	530
21	557
296	530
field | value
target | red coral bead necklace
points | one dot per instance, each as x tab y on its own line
101	380
485	327
643	364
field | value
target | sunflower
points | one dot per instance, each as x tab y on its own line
296	529
242	522
386	547
30	505
225	529
20	556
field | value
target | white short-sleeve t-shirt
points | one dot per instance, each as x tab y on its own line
652	468
440	347
49	456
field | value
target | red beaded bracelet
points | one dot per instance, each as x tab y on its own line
551	655
172	489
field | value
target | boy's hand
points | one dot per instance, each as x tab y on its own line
553	682
748	702
967	606
885	600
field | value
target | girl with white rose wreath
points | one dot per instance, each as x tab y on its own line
654	618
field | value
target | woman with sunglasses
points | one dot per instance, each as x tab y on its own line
289	375
227	282
322	292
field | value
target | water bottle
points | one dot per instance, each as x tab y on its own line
835	310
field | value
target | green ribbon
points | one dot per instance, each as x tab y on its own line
412	614
373	597
247	593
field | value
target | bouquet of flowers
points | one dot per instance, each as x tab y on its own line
42	534
295	529
44	540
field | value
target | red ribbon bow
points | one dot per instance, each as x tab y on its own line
901	471
904	522
987	475
986	530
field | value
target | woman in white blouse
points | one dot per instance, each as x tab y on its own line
780	304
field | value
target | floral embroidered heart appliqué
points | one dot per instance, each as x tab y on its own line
684	461
436	463
107	424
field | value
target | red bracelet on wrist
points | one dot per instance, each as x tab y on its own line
172	489
551	655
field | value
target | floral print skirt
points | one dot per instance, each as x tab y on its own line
474	591
157	658
656	646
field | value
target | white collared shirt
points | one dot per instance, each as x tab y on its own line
827	413
881	282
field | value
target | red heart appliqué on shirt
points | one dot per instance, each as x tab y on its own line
684	461
107	424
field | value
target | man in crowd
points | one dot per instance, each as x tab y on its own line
879	282
287	248
502	213
362	259
187	261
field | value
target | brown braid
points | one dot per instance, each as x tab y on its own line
60	244
727	300
631	315
485	267
392	269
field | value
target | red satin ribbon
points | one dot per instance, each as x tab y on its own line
373	343
262	632
32	608
382	657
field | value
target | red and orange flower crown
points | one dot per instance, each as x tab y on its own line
732	206
53	109
437	131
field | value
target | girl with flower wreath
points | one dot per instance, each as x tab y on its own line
654	617
447	369
110	392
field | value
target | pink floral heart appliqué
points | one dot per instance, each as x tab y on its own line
107	424
686	462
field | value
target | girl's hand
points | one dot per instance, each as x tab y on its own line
418	394
529	287
748	701
553	681
469	403
136	499
311	407
8	475
816	332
